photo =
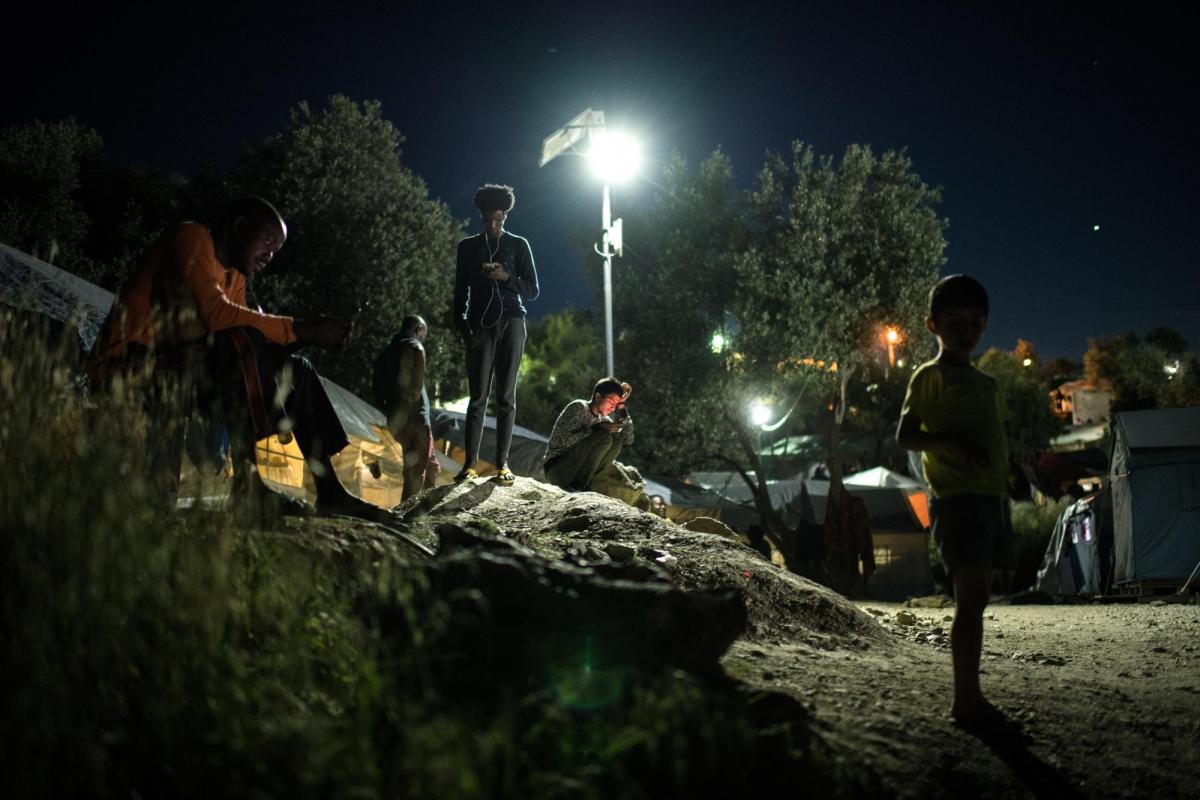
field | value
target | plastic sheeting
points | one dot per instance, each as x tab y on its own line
34	285
1078	558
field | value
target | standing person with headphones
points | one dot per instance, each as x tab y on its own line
493	277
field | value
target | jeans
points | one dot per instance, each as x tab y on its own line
496	349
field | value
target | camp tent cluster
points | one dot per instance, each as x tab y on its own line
1141	533
897	511
1143	529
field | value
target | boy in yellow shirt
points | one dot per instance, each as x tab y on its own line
954	415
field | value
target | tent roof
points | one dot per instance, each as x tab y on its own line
1161	429
888	507
692	495
881	476
357	416
34	285
732	486
526	453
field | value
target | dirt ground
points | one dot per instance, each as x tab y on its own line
1108	697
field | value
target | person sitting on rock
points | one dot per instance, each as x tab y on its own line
183	317
588	436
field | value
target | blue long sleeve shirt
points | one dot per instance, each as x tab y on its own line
482	301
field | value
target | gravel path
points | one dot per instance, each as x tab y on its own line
1108	697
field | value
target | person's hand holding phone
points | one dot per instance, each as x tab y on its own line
495	271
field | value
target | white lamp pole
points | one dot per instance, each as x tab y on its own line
614	158
606	222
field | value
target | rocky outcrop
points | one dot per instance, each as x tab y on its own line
593	531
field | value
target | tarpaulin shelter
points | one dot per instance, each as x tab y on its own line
33	285
526	454
687	501
882	477
731	486
1154	476
898	517
370	466
1078	557
900	536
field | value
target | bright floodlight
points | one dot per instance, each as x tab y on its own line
759	414
614	156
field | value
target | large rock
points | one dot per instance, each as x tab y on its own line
578	527
520	613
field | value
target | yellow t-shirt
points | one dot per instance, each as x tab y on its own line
957	398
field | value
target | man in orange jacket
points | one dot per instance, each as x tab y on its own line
183	316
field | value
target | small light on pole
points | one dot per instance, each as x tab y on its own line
891	336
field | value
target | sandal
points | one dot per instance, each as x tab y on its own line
505	477
467	474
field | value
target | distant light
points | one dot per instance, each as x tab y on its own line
614	156
899	362
892	335
717	343
1028	362
1095	227
759	414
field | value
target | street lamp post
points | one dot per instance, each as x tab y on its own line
614	158
607	254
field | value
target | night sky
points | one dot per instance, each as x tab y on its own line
1038	126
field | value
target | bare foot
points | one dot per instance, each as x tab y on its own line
980	712
985	720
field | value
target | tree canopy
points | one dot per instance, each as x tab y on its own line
363	234
563	358
43	167
1031	423
756	296
680	294
840	252
1154	372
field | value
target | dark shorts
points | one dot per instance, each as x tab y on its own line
974	530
